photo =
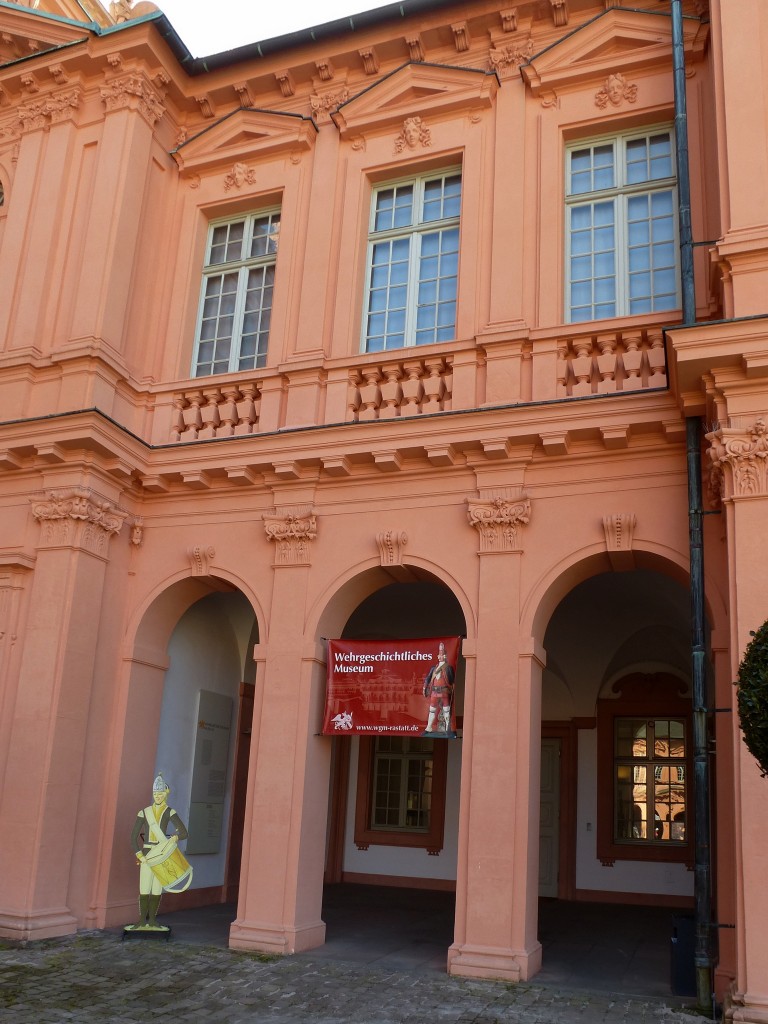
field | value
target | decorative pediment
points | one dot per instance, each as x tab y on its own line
22	34
618	39
245	135
424	89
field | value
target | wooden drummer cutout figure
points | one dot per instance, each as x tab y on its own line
162	865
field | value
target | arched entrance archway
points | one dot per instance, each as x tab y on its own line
616	791
358	855
188	700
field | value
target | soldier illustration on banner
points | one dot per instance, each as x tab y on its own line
438	690
379	688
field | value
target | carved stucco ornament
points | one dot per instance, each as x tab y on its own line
241	174
739	458
323	103
413	133
512	55
619	530
137	531
498	522
77	517
52	110
291	529
391	546
121	10
200	558
616	89
133	91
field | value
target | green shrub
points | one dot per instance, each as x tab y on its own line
753	697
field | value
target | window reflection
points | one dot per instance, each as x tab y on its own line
650	780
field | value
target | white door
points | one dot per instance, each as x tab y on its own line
549	822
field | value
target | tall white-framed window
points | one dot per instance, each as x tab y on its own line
621	226
413	262
236	295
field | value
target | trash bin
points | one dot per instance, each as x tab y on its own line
682	965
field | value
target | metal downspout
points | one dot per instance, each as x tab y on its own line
702	853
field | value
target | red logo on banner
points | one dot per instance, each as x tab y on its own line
391	687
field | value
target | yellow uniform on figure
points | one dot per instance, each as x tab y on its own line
149	835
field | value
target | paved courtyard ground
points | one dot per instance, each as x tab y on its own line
95	978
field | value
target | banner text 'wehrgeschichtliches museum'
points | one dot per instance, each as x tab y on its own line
391	688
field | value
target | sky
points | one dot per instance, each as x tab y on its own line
237	22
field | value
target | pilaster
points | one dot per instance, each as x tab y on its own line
132	108
46	748
47	130
496	927
738	453
284	839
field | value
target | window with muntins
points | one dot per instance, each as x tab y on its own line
650	798
401	792
402	783
236	294
413	263
621	226
645	805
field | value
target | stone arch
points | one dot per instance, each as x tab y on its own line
598	625
170	597
582	563
144	664
358	599
345	592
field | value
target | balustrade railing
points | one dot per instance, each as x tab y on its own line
403	387
573	362
201	413
618	361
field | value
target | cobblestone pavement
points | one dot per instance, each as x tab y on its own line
94	978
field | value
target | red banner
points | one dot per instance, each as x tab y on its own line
391	687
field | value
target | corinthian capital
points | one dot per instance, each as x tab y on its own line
291	529
79	517
498	521
133	91
739	457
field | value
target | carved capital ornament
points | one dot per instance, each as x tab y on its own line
77	517
498	522
133	92
739	457
291	529
55	108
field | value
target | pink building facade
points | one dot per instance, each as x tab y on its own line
375	332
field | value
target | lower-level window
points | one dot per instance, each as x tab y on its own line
644	795
650	780
401	792
403	773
